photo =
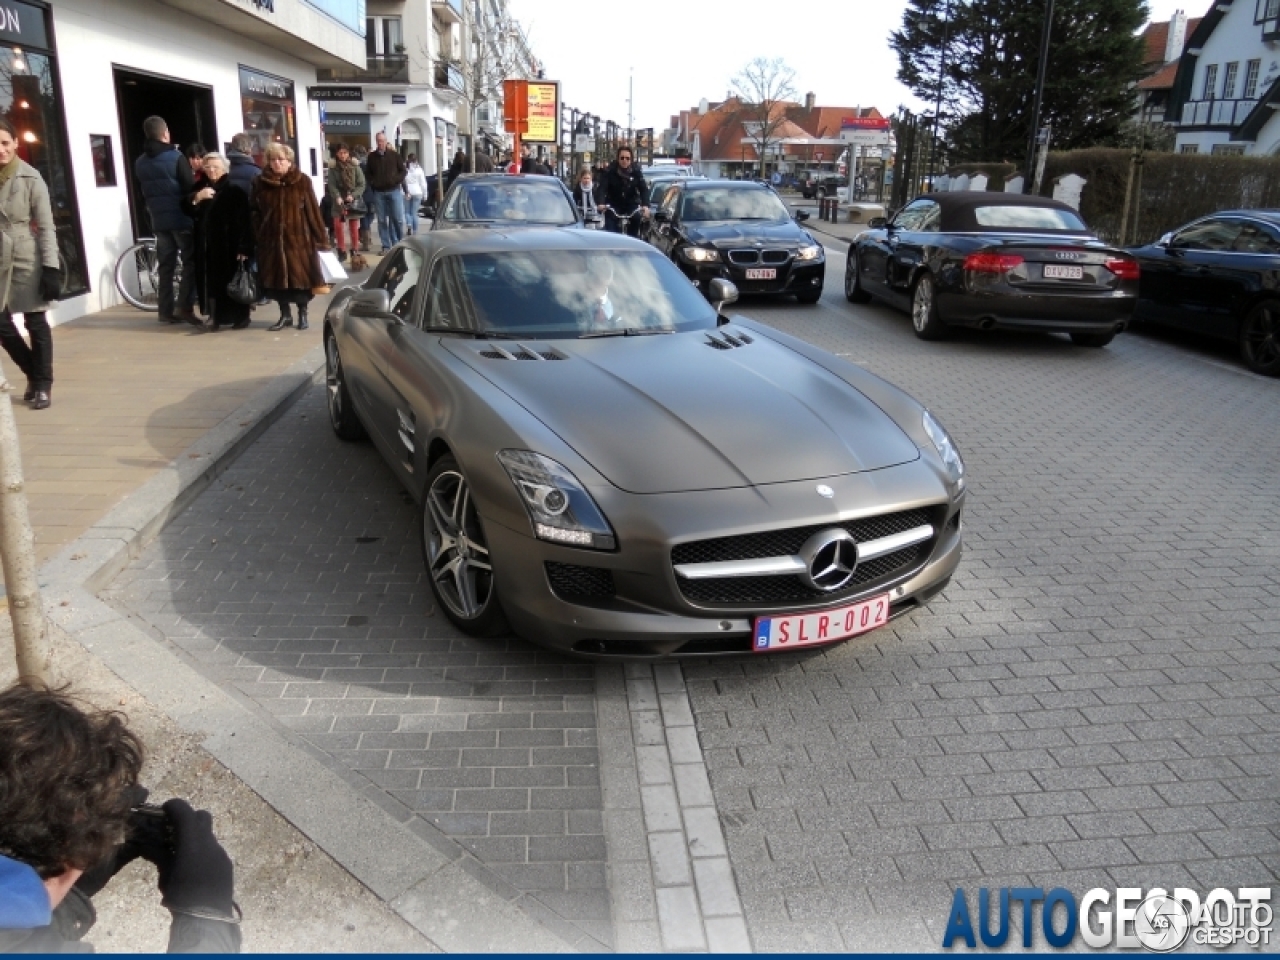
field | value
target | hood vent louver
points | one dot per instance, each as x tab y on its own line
727	340
520	351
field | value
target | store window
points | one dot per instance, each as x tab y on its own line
270	115
30	99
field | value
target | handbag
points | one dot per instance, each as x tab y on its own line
244	288
355	208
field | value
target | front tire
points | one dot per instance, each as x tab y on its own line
926	322
1096	340
342	415
1260	338
853	291
456	553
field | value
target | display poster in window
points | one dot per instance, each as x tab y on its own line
544	112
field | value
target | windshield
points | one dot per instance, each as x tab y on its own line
551	294
517	200
1029	218
730	203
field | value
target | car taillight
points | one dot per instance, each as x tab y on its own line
1125	269
992	262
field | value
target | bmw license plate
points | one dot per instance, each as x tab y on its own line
1056	271
762	273
812	629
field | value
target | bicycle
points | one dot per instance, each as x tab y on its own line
625	221
137	275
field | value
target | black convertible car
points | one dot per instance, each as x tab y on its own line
1219	275
738	231
986	259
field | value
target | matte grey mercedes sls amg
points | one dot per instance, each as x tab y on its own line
607	465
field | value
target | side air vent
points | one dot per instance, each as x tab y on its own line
520	351
728	340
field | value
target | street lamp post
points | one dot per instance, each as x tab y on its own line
1028	172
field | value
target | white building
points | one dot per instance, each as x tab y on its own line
1227	89
82	75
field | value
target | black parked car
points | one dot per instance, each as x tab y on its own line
985	260
1219	275
823	186
505	200
742	232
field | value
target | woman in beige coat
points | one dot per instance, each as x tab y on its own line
29	273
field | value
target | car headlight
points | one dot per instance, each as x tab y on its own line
811	252
946	449
700	254
559	507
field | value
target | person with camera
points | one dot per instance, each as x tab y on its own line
72	815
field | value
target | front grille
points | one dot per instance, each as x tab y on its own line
786	543
573	582
746	591
775	256
744	257
743	591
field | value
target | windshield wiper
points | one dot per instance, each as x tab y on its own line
624	332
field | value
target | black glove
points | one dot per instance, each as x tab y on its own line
196	874
97	877
50	283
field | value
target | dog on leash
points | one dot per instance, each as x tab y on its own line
357	263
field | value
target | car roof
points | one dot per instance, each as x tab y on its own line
1259	213
504	177
962	199
502	240
733	184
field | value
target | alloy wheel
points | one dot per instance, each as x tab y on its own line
457	556
1260	339
922	304
335	385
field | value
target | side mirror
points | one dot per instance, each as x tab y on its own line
374	304
1165	240
721	292
802	216
661	216
877	223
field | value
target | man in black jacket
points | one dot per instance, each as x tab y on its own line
68	793
625	192
385	172
166	179
242	170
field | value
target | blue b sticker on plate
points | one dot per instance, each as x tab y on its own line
762	634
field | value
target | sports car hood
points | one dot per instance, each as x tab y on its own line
668	413
734	233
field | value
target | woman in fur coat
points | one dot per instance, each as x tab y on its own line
289	231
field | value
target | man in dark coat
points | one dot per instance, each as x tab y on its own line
624	192
68	794
243	170
385	172
165	179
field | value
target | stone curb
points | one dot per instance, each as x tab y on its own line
438	888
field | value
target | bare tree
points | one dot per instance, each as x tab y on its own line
763	87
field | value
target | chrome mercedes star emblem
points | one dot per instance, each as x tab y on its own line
830	557
825	491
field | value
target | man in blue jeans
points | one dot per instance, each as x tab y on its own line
385	172
166	179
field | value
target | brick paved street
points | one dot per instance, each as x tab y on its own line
1094	701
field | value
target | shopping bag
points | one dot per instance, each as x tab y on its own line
331	267
244	288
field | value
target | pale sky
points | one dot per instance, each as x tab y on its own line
679	51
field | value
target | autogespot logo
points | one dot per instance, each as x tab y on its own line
1126	917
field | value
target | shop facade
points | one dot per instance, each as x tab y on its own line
109	66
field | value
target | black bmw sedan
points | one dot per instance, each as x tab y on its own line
740	231
985	259
1218	276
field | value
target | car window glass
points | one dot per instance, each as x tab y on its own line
449	307
910	215
400	280
1208	235
733	203
1255	238
671	201
1025	217
929	218
536	200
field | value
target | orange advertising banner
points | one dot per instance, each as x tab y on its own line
515	105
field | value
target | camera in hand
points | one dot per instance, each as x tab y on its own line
150	832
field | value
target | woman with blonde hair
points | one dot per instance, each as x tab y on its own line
288	231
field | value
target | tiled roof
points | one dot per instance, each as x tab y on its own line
1156	38
1162	79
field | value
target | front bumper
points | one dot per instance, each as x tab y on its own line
647	615
793	277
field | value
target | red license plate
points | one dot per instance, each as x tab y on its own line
762	273
811	629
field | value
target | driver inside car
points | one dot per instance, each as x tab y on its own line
601	312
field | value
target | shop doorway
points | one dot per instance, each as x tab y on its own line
186	107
